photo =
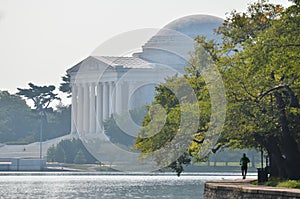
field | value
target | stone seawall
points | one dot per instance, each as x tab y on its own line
242	189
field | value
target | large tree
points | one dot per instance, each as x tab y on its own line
173	122
41	96
258	58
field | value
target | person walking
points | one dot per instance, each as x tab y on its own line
244	165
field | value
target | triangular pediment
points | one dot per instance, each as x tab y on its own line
90	64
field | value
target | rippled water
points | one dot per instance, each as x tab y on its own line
103	186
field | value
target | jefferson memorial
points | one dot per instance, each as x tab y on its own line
104	85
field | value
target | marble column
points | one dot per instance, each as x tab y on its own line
92	113
111	95
125	96
74	109
130	94
86	108
79	122
105	101
99	107
119	96
113	98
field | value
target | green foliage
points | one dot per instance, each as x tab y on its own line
65	86
238	28
259	61
262	81
290	184
41	96
17	121
19	124
117	135
163	130
79	158
60	154
70	151
278	182
51	156
59	122
258	58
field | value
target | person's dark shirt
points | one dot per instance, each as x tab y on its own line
244	161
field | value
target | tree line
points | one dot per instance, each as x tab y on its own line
20	124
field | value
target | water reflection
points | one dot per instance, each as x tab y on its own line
81	185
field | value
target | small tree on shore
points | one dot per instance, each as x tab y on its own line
79	158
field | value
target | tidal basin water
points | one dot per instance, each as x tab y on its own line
108	185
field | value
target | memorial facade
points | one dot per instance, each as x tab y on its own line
104	85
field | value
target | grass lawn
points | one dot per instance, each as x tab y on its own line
89	167
276	182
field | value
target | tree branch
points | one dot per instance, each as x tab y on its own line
294	101
262	95
214	150
284	45
199	141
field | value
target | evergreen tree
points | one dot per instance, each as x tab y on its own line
65	86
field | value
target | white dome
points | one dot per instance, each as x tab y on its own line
194	25
172	44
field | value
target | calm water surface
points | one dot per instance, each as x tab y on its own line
59	185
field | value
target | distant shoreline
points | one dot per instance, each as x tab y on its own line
104	173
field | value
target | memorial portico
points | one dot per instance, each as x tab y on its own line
92	103
106	85
100	89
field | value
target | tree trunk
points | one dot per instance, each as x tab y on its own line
289	146
277	166
274	170
277	163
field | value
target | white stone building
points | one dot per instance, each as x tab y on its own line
103	85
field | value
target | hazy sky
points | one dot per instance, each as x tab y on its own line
40	40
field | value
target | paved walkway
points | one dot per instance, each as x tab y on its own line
246	186
29	150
